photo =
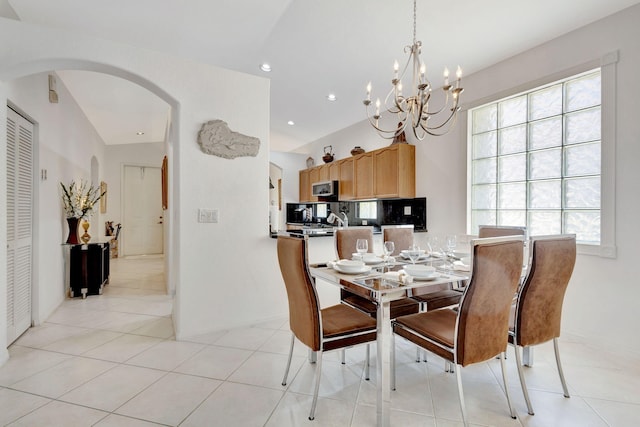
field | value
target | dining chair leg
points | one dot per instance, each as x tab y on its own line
316	387
503	365
557	352
286	372
343	356
463	407
522	382
417	354
393	362
367	365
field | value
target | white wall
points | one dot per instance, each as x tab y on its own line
65	144
217	288
600	305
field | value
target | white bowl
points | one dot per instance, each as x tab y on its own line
348	265
419	270
372	259
406	252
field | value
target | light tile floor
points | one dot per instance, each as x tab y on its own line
112	360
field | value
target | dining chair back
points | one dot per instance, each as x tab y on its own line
304	314
537	314
346	238
484	309
474	332
345	245
500	230
400	235
321	330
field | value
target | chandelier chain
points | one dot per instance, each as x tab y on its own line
414	21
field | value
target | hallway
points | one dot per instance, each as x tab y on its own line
112	360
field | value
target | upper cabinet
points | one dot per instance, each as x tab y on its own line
323	173
364	176
389	172
395	171
345	173
308	177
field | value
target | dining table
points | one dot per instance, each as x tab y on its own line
382	289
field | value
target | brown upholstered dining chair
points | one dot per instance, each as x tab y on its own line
536	316
400	235
321	330
345	244
500	230
472	333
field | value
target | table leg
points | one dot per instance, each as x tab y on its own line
527	356
383	362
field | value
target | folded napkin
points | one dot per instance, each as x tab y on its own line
398	276
460	266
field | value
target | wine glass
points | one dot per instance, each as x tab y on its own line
388	248
451	243
362	247
414	253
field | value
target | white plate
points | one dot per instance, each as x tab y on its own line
373	260
363	269
405	256
431	276
419	270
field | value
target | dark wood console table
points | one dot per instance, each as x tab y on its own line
88	269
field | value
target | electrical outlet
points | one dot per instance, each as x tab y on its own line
407	210
207	215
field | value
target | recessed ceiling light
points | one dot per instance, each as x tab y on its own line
290	123
331	97
139	133
265	67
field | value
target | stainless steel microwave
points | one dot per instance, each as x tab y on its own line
325	189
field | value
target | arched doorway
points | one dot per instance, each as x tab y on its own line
42	289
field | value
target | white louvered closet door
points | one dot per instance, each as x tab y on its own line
19	223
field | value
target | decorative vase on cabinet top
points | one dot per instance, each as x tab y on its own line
357	150
328	154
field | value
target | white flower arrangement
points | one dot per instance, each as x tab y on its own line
79	199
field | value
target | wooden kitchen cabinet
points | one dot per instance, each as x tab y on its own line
386	173
334	171
346	188
323	173
395	171
363	176
305	186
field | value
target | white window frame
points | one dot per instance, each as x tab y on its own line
608	65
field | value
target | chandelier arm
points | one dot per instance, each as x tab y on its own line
448	123
445	104
386	134
422	136
395	101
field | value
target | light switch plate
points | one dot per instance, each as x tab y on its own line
207	215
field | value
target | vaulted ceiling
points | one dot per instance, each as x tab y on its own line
314	48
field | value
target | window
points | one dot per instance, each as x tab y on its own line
368	210
536	160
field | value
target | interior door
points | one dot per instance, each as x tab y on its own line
142	232
19	223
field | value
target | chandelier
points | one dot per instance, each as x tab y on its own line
413	109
